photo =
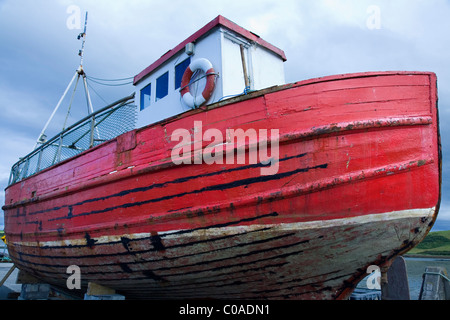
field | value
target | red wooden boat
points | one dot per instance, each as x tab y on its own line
357	184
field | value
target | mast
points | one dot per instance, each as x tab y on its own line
78	73
83	36
80	69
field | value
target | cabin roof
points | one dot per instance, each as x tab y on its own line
218	21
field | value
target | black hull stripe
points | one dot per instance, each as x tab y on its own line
219	187
164	184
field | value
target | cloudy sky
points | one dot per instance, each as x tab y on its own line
38	51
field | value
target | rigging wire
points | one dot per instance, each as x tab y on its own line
122	79
95	91
109	84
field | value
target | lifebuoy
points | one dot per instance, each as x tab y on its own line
197	101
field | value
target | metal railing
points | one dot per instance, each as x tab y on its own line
444	277
98	127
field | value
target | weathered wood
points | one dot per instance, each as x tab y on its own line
7	274
23	277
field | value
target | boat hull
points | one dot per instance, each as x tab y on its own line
357	182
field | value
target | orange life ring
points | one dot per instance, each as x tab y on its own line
197	101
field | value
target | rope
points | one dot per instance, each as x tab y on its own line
246	91
198	79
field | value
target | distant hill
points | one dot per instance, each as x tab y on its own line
435	244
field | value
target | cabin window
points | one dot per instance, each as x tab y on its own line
162	86
179	71
145	96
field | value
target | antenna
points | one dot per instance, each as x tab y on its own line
79	72
83	36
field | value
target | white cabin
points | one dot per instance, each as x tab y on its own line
224	44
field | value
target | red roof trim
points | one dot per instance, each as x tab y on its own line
219	20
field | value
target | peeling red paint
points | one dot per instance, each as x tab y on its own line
358	183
